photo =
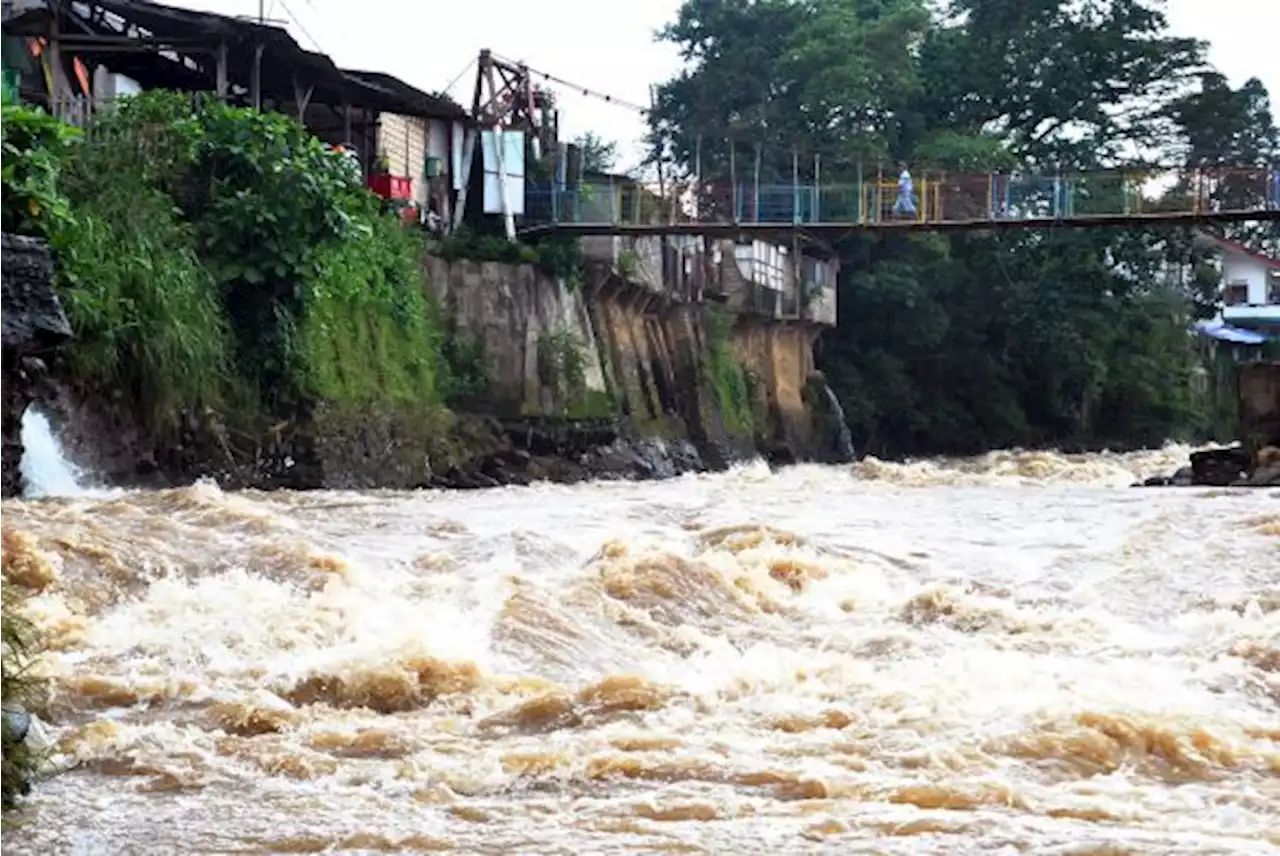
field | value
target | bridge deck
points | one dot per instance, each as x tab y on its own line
939	202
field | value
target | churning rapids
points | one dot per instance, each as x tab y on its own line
1016	654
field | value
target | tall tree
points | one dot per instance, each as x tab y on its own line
1232	130
1072	83
597	154
961	343
829	76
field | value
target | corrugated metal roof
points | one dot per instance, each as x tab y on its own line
283	59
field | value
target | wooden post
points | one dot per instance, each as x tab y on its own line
55	57
661	153
733	179
222	71
755	202
301	96
795	185
469	143
255	78
817	187
862	194
697	178
879	193
796	274
555	181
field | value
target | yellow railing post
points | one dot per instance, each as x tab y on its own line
879	213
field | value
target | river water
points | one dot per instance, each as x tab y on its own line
1014	654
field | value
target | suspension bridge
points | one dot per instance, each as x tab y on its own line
753	202
940	201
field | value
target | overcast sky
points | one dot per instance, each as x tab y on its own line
428	43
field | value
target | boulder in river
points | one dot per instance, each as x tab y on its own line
1221	467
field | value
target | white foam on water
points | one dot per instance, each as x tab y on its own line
46	471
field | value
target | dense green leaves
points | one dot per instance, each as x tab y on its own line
214	255
597	154
33	144
973	341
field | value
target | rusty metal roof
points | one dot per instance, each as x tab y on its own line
167	27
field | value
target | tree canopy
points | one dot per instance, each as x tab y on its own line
961	343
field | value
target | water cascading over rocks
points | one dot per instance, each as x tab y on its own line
33	326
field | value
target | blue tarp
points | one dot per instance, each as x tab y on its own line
1227	333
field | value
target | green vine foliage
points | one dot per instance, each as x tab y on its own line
724	375
370	336
34	144
468	377
562	365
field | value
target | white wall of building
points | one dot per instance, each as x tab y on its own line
402	140
764	264
1238	268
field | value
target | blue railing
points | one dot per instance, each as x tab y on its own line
937	198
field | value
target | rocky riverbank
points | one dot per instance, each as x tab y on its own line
568	452
33	326
330	449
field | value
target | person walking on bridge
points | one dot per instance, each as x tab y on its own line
905	206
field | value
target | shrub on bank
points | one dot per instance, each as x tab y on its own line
20	692
34	145
214	256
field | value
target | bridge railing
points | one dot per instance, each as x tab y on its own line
936	198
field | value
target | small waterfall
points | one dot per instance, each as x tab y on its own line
45	469
844	439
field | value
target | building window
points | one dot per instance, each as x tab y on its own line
1273	288
1236	294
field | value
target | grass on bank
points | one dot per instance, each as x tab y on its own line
146	311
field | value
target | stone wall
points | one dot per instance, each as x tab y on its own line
780	356
512	310
1259	391
33	326
644	351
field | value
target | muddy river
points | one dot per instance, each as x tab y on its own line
1013	654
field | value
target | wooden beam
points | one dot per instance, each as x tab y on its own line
301	96
100	42
255	78
222	71
55	54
